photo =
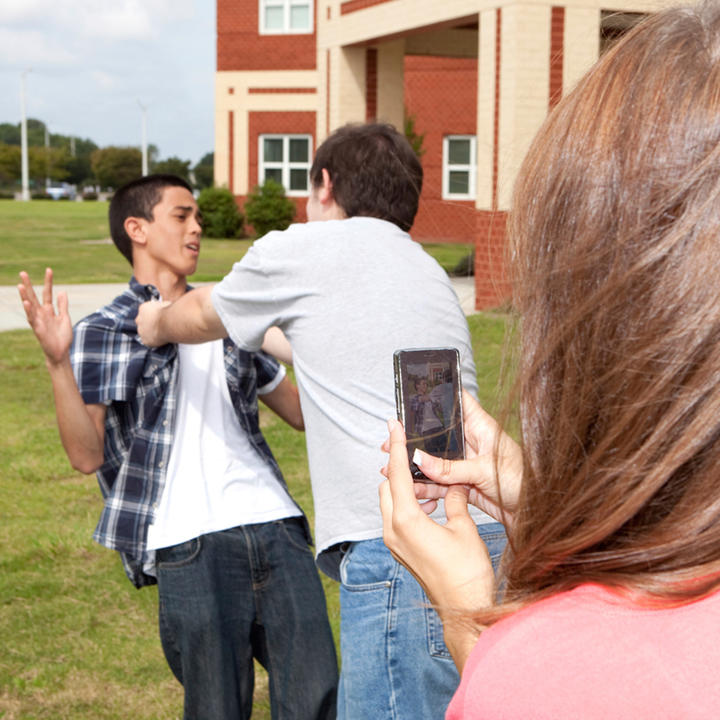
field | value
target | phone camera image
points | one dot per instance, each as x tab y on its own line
428	395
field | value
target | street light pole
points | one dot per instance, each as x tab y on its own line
144	139
23	140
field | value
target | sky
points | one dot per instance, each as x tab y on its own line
93	62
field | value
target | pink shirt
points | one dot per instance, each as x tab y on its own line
589	654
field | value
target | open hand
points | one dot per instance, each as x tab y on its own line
52	329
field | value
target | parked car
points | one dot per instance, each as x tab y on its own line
58	190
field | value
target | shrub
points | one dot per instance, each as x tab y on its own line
89	196
267	208
221	216
465	267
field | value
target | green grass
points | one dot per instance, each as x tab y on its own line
73	239
448	254
78	640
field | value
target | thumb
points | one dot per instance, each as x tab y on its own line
456	503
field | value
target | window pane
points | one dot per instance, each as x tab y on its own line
459	182
273	174
459	152
273	150
298	180
273	18
300	18
298	150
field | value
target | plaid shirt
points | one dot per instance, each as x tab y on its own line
138	385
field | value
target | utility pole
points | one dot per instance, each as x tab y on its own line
47	157
143	108
23	139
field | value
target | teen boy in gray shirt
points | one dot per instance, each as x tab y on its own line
347	289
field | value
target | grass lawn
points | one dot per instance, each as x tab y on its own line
78	641
73	239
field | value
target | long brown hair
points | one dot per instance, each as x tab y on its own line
615	245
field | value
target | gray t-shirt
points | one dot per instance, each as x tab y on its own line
347	294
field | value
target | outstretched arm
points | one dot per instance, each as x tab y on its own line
191	319
284	401
81	426
449	561
277	345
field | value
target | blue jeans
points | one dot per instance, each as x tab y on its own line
252	591
395	665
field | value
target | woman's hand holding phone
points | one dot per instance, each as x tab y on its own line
478	471
449	561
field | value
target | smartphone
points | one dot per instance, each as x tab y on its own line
428	396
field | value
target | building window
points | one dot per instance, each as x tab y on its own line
286	159
459	169
281	17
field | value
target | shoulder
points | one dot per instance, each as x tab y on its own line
591	653
112	323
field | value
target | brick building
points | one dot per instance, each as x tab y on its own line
477	76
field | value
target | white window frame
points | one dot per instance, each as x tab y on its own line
471	168
285	165
286	7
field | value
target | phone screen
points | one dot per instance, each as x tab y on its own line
428	394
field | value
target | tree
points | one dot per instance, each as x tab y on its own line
48	163
10	134
221	216
9	164
173	166
416	140
267	208
204	171
115	166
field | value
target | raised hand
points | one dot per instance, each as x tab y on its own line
52	329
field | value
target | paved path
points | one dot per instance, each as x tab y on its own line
85	299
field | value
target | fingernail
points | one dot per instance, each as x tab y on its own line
391	423
417	457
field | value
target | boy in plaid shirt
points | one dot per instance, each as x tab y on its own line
194	499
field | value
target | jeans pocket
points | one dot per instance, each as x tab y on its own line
435	635
178	556
361	574
294	533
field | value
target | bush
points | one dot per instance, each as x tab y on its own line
89	196
465	267
267	208
221	216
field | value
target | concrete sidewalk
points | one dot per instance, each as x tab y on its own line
85	299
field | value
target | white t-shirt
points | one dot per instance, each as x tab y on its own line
347	294
215	478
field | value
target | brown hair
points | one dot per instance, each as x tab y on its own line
137	198
374	172
615	254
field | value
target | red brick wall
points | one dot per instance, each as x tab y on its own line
260	123
241	47
441	93
371	82
557	31
491	284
